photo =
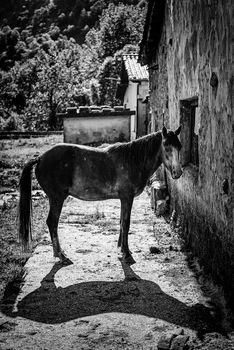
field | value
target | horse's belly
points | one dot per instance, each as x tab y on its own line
93	192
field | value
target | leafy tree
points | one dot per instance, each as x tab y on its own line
94	92
120	25
108	78
57	84
11	48
109	75
42	71
44	84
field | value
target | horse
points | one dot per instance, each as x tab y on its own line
117	171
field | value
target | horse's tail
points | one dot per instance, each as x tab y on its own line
25	205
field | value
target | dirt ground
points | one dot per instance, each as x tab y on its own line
99	302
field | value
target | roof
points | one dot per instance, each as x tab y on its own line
134	70
152	30
131	70
95	111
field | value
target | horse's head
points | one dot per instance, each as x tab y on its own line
170	151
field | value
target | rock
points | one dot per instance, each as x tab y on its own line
32	332
155	250
176	341
179	331
7	326
161	207
167	233
148	336
158	192
84	321
165	342
2	204
82	335
180	343
7	197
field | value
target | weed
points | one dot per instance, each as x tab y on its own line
98	214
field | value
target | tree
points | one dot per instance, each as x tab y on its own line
57	83
120	29
120	25
44	84
94	92
42	71
11	47
108	78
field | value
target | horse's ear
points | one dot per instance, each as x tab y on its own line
177	132
164	131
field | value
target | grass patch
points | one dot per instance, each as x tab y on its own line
87	218
12	259
96	219
14	154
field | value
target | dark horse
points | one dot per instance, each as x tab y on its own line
119	171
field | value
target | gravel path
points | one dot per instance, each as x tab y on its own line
98	302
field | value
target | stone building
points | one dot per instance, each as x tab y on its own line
187	47
132	91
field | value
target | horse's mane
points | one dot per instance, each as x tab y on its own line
137	151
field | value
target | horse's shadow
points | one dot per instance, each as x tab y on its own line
49	304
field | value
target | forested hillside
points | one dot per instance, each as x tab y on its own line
55	53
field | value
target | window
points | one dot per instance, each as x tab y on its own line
189	134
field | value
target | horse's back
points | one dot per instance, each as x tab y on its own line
88	173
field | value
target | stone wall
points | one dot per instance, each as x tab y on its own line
199	59
159	87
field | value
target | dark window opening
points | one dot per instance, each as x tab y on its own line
189	133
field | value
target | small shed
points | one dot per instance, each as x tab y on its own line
93	125
132	91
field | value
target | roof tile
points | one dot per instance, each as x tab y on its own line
134	69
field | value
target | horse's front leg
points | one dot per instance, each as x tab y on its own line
126	207
120	234
120	240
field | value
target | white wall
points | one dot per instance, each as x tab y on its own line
83	130
130	101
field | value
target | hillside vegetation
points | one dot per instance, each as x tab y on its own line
55	53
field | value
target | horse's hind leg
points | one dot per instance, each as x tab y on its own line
52	222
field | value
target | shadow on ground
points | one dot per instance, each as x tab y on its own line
51	305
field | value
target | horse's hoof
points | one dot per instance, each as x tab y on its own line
129	260
66	262
132	278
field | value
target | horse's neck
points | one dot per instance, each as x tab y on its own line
150	162
154	163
